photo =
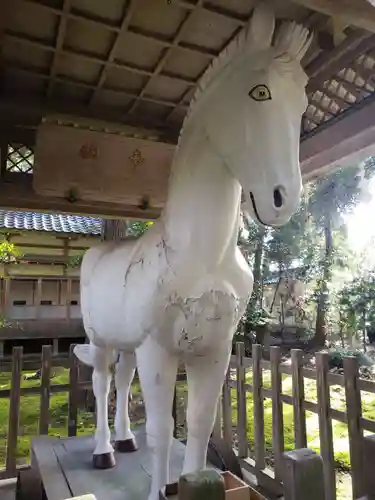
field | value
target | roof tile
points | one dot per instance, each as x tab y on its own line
50	222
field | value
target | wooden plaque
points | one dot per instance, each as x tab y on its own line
85	165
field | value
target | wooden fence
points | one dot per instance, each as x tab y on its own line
253	460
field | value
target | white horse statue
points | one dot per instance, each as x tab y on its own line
179	291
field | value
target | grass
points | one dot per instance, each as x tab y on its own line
29	416
29	420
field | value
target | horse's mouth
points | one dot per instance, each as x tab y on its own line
256	210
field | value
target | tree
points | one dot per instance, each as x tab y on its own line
333	196
9	253
357	305
137	228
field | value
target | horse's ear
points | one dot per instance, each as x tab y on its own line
262	25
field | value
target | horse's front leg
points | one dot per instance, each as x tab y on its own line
124	374
157	371
205	379
103	457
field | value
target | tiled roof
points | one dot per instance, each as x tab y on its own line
49	222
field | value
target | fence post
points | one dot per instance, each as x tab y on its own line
227	410
354	413
45	387
325	425
369	466
174	410
73	392
241	401
299	414
277	411
258	407
14	409
217	430
303	475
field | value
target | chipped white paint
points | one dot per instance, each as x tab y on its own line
180	290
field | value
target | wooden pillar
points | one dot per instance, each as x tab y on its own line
39	291
55	346
303	475
2	297
68	298
7	287
2	343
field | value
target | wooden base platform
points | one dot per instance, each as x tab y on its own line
63	468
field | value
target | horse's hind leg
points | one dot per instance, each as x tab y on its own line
125	369
103	457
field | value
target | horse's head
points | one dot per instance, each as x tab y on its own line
253	98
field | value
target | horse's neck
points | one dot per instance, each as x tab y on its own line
202	212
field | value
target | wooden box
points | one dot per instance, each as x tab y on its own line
235	489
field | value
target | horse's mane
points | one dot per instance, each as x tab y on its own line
291	41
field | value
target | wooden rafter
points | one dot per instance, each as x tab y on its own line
178	36
112	53
59	44
91	58
329	63
151	82
334	143
358	13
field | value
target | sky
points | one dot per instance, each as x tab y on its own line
361	225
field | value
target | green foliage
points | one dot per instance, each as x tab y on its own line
9	253
313	248
255	318
336	357
137	228
75	260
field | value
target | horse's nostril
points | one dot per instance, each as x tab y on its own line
277	198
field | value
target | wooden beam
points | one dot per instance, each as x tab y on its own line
329	63
16	110
16	196
42	328
358	13
336	143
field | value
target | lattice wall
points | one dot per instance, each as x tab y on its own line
20	159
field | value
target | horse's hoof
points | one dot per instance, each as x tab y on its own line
104	460
126	445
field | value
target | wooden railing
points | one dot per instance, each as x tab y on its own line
73	388
237	385
352	416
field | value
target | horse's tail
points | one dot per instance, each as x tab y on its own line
84	353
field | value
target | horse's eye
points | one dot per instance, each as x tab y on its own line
260	93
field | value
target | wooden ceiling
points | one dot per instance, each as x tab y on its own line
137	62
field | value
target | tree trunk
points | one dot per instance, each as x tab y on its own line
256	297
114	229
364	329
322	307
257	270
